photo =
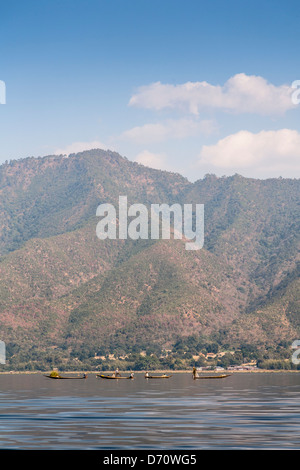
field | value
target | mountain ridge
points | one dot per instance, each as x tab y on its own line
64	289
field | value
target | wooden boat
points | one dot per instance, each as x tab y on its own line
116	377
68	378
164	376
222	376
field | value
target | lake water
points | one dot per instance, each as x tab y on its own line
243	411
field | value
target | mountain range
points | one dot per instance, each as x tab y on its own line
64	290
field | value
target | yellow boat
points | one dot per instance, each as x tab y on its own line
196	376
164	376
58	377
116	377
222	376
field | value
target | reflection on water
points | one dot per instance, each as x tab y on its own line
244	411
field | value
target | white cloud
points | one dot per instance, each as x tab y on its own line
76	147
241	94
175	129
152	160
276	153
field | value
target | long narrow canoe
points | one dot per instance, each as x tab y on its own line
164	376
102	376
64	378
222	376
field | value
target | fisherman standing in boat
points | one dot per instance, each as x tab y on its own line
195	373
116	373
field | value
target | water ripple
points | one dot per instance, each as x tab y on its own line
247	412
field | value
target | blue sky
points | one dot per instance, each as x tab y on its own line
190	86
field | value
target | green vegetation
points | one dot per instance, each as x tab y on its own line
71	301
185	354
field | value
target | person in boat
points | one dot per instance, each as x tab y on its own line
147	375
195	373
131	375
116	373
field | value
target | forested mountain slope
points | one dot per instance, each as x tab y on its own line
61	287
